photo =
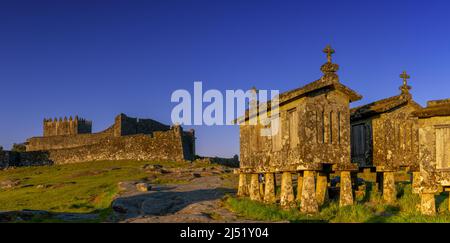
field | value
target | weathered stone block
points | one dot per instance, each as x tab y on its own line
143	187
322	188
287	199
415	182
427	204
309	201
389	190
243	185
346	193
269	193
254	188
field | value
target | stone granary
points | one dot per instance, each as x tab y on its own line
70	140
313	141
434	152
384	138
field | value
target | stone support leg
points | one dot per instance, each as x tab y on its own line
243	185
269	192
415	182
254	188
287	199
427	204
309	201
389	191
346	192
322	188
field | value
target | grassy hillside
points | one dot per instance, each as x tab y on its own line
75	188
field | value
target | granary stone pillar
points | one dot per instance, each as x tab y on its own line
243	185
269	192
415	182
309	201
287	199
427	204
321	188
346	193
299	186
389	191
254	188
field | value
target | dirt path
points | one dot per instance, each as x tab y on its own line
197	201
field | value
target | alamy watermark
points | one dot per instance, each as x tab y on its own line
252	107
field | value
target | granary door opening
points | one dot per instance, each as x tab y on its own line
443	147
359	146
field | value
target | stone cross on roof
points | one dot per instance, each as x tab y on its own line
329	68
405	87
405	78
329	51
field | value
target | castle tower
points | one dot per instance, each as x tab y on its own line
64	126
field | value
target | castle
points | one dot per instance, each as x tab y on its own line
71	140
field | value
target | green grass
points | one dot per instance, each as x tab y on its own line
369	210
75	188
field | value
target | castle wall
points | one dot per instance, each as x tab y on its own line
75	133
66	141
163	146
125	125
129	138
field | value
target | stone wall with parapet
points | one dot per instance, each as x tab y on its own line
67	141
127	139
123	125
171	145
162	146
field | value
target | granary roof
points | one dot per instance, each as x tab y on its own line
434	108
329	81
386	105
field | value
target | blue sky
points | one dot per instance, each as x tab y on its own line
100	58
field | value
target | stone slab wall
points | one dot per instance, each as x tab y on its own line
431	178
396	140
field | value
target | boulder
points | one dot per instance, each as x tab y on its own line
8	184
143	187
